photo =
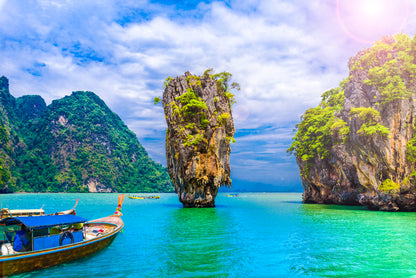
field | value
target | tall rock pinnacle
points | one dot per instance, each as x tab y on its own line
200	129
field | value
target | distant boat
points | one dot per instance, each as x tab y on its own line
232	195
143	197
5	212
29	243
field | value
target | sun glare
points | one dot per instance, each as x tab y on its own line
368	20
372	8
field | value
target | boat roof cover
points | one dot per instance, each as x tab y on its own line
43	221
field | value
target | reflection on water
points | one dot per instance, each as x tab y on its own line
198	243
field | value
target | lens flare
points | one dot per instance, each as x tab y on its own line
372	8
368	20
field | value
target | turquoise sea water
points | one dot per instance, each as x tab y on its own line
253	235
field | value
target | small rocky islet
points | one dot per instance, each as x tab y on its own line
358	146
200	129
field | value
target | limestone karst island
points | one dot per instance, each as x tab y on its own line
200	129
75	144
358	146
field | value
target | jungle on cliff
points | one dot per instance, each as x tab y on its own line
358	146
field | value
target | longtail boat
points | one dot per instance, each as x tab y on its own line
5	212
232	195
69	211
30	243
143	197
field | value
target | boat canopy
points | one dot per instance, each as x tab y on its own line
43	221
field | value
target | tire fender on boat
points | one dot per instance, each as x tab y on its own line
64	235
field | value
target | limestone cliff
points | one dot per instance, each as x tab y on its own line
200	128
358	146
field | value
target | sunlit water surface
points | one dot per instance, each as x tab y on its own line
253	235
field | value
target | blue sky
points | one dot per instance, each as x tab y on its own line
284	54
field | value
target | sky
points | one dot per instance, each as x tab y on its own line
284	55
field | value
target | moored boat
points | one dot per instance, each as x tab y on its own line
232	195
143	197
30	243
5	212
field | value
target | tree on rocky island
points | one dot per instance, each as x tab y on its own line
358	146
200	129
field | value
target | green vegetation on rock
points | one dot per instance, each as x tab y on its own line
370	118
76	144
390	66
192	110
388	186
315	132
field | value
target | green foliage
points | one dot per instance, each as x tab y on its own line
204	123
370	118
193	140
411	150
377	129
156	100
318	125
191	103
71	142
208	71
191	112
390	66
230	139
223	79
167	81
389	186
190	126
222	119
194	80
340	128
5	150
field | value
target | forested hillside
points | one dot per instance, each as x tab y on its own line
76	144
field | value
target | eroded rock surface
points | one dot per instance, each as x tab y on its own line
200	129
370	167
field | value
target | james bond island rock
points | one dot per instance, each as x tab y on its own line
200	130
359	145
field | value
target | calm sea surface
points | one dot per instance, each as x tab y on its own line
253	235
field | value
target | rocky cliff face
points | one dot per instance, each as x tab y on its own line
358	146
200	129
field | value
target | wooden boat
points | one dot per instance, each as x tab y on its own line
5	212
135	197
31	243
70	211
232	195
143	197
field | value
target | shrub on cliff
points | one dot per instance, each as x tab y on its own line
370	118
390	67
388	186
315	132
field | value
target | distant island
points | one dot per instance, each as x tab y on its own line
358	146
76	144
